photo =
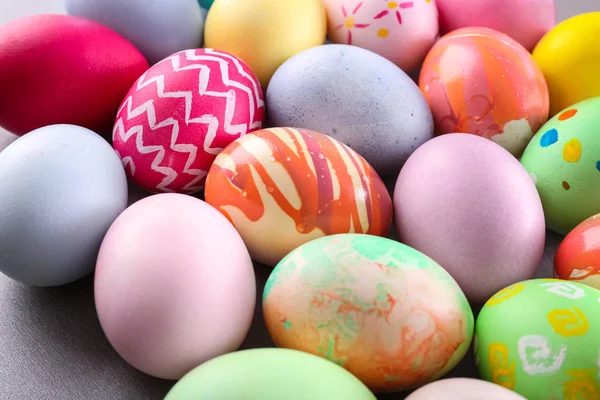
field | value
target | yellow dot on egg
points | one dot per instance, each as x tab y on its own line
349	22
572	151
392	5
428	1
383	33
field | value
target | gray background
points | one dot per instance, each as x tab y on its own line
51	344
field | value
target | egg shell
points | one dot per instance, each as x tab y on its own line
564	160
540	339
157	28
59	69
402	31
578	256
258	375
206	4
174	285
388	314
526	21
481	81
463	389
468	204
265	33
181	113
283	187
572	77
356	97
63	186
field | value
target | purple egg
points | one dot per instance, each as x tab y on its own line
471	206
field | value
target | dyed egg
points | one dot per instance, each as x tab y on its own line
181	113
174	285
564	161
265	33
206	4
482	82
540	339
578	256
463	389
572	77
158	28
63	186
356	97
283	187
59	69
468	204
402	31
388	314
526	21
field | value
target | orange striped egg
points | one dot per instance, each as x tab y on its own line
283	187
481	81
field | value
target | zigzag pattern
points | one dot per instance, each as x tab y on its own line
201	59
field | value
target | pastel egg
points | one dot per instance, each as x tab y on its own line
265	33
539	338
564	160
181	113
283	187
174	285
388	314
482	82
63	186
578	256
402	31
158	28
468	204
59	69
572	77
463	389
526	21
355	96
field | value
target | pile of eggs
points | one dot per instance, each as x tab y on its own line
258	144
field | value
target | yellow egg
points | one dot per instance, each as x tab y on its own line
569	56
265	33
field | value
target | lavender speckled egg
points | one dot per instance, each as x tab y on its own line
355	96
471	206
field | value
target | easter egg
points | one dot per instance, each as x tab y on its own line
388	314
578	256
181	113
174	285
526	21
265	33
564	160
283	187
59	69
463	389
63	186
402	31
468	204
482	82
572	77
157	28
259	375
540	339
355	96
206	4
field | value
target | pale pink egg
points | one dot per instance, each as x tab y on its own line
174	285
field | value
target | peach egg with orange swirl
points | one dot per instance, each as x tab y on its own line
482	82
283	187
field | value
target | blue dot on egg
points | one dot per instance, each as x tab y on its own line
598	165
549	138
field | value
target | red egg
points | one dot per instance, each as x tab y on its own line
578	256
180	115
58	69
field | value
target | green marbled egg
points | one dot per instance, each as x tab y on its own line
563	158
541	338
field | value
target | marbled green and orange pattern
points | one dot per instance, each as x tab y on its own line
382	310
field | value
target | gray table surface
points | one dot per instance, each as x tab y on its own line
51	344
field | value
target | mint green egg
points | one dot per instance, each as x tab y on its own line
541	339
269	374
563	158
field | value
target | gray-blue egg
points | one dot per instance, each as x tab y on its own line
355	96
62	188
158	28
